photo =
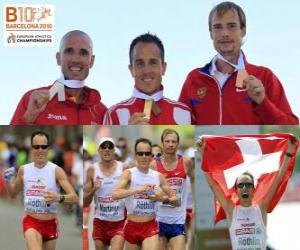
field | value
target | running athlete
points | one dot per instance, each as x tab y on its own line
109	214
40	181
176	169
142	187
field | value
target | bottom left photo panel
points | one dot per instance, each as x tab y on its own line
41	187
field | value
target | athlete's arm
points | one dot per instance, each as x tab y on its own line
189	168
62	180
14	189
284	166
90	187
190	171
226	205
171	199
121	190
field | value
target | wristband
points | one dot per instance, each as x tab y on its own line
288	154
166	201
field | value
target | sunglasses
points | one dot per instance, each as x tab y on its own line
107	145
121	146
157	155
143	153
245	184
40	147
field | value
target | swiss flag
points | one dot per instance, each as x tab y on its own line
227	157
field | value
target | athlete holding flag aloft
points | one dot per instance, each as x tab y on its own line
247	215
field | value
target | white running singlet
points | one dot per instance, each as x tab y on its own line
106	208
247	230
139	204
36	182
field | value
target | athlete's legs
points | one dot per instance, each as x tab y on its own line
132	246
117	243
163	243
99	245
49	245
33	239
85	217
151	243
177	243
191	234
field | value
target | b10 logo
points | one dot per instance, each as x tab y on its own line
27	14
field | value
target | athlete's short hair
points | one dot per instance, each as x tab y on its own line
41	133
245	173
167	132
142	140
147	38
222	8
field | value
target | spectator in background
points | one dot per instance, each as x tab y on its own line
122	145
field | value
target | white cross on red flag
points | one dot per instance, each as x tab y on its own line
226	157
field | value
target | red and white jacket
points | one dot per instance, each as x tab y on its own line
212	105
66	112
172	112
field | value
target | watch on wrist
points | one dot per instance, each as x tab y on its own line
166	201
288	154
61	198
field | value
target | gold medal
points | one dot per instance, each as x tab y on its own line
147	108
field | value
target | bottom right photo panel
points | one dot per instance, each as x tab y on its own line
247	187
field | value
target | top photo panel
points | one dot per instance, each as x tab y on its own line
128	63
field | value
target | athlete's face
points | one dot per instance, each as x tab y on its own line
75	57
147	67
245	188
122	145
170	144
39	149
156	151
143	155
107	151
227	34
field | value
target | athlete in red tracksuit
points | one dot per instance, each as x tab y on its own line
66	112
213	105
213	92
68	101
147	67
171	112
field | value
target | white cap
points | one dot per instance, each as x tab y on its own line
104	139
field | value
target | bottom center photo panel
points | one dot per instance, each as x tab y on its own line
139	187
